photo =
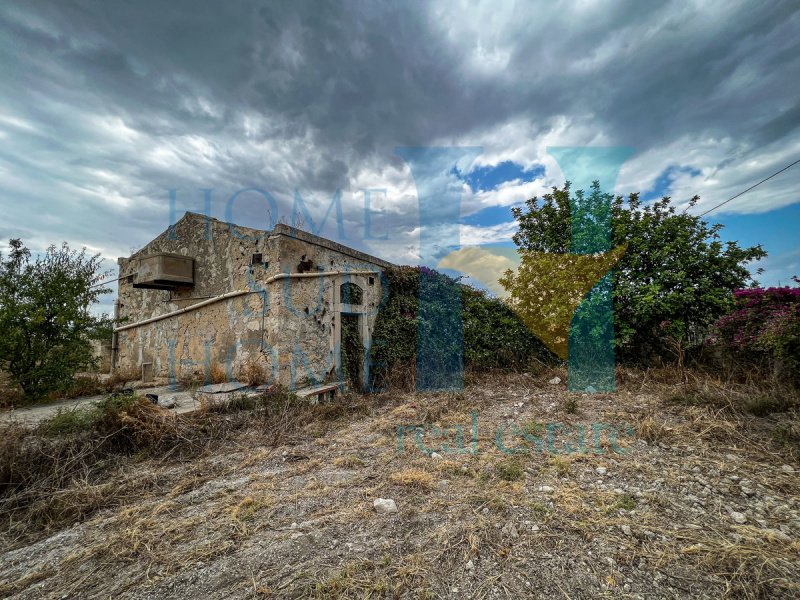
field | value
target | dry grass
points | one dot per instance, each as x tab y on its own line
60	472
251	372
758	396
277	468
389	577
756	565
401	378
412	477
218	373
351	461
653	428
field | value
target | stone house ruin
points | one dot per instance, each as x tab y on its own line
208	299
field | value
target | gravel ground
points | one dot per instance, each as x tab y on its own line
621	495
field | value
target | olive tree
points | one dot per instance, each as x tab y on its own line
45	320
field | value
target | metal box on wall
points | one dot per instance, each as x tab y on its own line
164	272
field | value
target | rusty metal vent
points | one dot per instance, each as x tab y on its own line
165	272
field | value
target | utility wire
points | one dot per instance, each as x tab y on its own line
105	282
750	188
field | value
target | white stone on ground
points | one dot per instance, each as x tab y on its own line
167	402
385	506
738	517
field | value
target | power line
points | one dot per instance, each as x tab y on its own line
105	282
750	188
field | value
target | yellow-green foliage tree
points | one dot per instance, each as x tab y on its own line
546	289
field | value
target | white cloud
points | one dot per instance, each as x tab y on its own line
481	265
106	110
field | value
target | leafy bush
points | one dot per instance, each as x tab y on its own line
763	329
491	336
45	316
494	336
674	279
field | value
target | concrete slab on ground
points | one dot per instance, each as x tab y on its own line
31	415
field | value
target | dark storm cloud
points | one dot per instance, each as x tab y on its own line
107	105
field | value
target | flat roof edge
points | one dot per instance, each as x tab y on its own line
293	232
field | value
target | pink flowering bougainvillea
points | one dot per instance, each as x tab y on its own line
765	323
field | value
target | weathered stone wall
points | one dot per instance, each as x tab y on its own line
286	330
101	351
305	314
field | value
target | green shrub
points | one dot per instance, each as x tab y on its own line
69	421
91	417
46	318
492	336
623	502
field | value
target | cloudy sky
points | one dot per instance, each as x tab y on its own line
107	106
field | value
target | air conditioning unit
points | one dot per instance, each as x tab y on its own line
164	272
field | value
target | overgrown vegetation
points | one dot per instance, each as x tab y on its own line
491	335
352	352
165	514
57	472
675	278
45	316
762	332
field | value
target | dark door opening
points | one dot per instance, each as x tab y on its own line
352	351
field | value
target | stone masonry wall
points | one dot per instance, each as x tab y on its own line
295	342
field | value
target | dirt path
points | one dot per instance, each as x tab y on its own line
662	501
31	415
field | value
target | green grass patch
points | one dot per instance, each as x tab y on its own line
510	470
623	502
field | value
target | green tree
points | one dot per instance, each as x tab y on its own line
675	278
45	319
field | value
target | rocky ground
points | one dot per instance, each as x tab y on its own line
626	495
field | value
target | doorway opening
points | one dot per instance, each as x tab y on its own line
352	351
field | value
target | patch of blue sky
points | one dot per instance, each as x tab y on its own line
490	177
662	186
776	231
491	215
